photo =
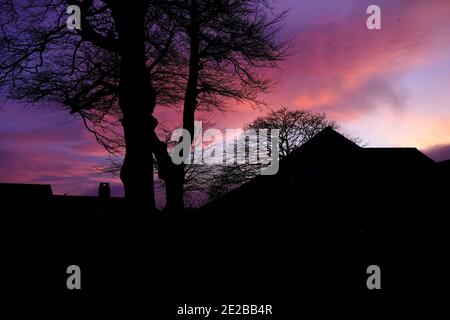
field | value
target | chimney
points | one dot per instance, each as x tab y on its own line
104	191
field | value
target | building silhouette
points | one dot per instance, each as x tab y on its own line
333	209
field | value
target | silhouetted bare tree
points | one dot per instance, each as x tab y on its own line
295	128
126	59
106	72
227	41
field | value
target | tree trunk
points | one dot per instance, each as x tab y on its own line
137	100
175	179
190	96
173	175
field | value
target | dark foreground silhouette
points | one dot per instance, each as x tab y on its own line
301	240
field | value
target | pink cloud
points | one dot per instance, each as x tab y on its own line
345	69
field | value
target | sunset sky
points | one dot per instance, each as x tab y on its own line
390	87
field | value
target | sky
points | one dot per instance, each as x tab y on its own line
390	87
